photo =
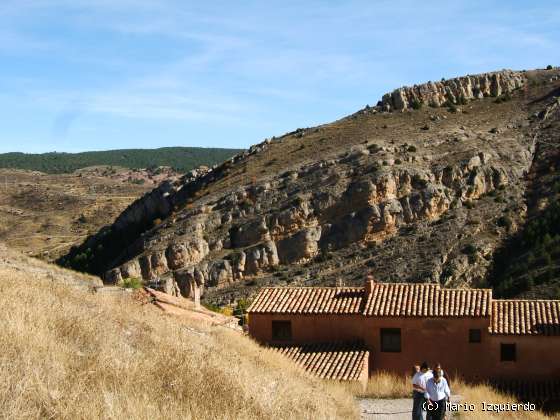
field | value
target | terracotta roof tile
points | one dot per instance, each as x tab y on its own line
308	300
427	300
386	299
337	361
536	317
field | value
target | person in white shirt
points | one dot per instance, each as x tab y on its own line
437	393
419	382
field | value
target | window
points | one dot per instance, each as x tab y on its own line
282	330
508	353
475	336
391	340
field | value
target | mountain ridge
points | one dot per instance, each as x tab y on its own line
181	158
415	195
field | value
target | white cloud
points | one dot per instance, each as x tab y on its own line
142	105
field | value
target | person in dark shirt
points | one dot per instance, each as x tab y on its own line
443	373
415	370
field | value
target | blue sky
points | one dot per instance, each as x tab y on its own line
102	74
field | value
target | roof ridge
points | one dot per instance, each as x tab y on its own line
402	283
526	300
321	343
312	287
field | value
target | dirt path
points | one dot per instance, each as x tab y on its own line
386	409
391	409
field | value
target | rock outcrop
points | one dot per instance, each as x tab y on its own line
453	91
370	208
374	192
299	247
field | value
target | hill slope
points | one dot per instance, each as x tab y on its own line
70	353
183	159
45	214
427	186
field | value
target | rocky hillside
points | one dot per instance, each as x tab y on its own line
434	183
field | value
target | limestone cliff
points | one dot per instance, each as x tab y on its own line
416	195
454	91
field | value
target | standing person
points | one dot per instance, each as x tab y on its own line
443	373
419	391
437	393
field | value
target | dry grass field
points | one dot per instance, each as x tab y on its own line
383	385
476	394
44	215
68	353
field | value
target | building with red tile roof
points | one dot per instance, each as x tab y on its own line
338	361
399	325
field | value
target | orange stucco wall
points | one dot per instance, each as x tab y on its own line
364	374
537	356
444	340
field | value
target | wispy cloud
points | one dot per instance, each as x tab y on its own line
245	66
138	105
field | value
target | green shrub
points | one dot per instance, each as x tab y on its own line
374	148
549	67
462	100
503	98
469	249
131	283
416	104
241	307
419	182
411	149
451	107
212	307
505	221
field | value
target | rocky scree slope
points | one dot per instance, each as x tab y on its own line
425	186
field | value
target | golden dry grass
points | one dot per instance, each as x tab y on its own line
382	385
68	353
477	394
389	386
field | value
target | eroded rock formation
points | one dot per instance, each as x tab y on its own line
378	192
454	91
